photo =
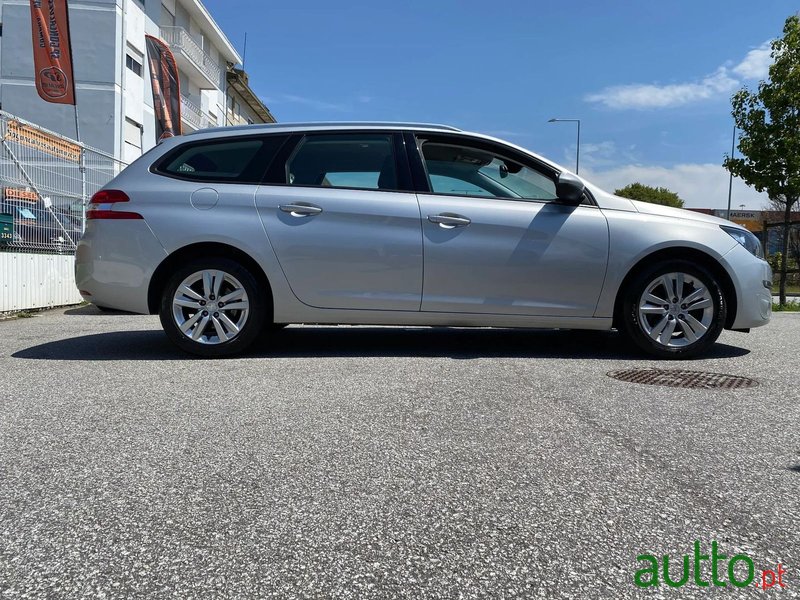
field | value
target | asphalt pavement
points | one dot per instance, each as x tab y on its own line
367	462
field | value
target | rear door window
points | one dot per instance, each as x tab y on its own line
349	160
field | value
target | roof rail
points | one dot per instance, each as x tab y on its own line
407	124
255	126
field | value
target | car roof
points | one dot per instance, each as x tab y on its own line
321	125
254	129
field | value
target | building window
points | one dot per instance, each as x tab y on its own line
133	133
167	18
133	64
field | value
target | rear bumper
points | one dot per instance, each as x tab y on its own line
753	298
114	263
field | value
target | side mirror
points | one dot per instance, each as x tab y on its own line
570	189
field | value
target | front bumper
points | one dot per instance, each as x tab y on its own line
753	298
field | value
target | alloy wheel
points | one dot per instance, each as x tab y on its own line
676	310
210	307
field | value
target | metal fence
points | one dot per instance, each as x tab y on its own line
193	114
772	238
46	182
181	41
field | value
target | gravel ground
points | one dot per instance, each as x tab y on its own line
343	462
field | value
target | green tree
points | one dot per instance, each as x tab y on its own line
769	139
654	195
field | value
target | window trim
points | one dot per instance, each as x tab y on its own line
422	178
158	167
404	179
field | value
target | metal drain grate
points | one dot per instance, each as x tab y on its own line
683	379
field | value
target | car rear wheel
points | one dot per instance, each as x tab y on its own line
674	309
213	307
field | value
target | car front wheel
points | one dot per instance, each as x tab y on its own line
674	309
212	307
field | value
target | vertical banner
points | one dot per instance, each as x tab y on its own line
166	88
52	52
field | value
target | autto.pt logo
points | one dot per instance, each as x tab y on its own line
712	569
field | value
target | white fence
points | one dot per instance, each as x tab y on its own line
46	182
36	281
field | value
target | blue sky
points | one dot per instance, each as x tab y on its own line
651	81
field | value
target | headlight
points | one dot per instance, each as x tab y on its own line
746	239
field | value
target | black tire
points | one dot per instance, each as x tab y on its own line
682	315
251	324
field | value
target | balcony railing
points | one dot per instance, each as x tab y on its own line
193	114
179	39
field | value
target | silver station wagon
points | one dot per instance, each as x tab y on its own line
230	233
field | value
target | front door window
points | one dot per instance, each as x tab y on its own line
459	170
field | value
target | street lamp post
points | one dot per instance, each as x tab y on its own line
578	154
730	181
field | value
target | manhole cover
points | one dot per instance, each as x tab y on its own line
683	379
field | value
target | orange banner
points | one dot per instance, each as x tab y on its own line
166	84
52	52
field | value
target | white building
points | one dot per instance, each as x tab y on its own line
243	105
115	101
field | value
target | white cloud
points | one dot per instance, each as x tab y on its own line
644	96
599	151
724	80
699	185
601	154
505	133
319	104
756	64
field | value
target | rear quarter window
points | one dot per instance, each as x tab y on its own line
239	160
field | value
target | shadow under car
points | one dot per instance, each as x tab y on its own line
364	341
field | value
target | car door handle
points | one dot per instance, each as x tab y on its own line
301	210
446	221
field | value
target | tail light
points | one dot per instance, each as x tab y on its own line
110	197
101	206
